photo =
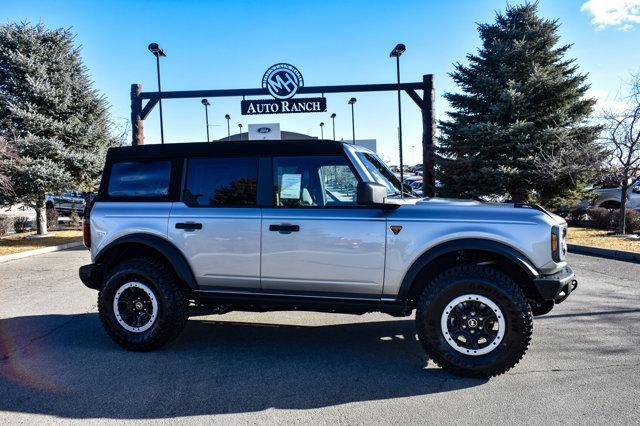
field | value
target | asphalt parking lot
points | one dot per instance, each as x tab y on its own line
56	364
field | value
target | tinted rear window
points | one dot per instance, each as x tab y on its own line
140	179
221	181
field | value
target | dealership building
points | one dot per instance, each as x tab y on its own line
272	131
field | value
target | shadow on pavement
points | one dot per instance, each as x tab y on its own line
64	365
593	313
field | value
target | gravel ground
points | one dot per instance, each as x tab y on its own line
57	365
16	243
604	239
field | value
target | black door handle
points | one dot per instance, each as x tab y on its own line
190	226
284	228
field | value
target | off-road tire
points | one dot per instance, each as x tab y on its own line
171	297
491	284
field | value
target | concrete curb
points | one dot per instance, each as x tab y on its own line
606	253
29	253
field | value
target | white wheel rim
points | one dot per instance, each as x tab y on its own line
472	323
120	316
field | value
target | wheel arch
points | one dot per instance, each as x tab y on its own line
472	250
141	244
609	204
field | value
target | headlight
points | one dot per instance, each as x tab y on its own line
558	243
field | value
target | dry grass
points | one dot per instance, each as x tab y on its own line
20	242
602	239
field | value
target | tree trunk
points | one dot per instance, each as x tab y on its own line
623	208
518	195
41	215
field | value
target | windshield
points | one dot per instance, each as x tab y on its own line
380	172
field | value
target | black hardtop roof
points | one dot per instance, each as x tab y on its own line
253	148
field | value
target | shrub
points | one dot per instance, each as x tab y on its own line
74	219
5	224
633	220
21	224
600	218
577	217
52	218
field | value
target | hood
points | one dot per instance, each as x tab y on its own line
477	209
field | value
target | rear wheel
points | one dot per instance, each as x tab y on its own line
474	321
141	305
610	205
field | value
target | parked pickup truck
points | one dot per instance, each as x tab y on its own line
609	198
66	203
320	226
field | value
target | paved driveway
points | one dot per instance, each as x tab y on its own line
56	364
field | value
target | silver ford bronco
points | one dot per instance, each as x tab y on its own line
209	228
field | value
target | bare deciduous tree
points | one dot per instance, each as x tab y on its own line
623	136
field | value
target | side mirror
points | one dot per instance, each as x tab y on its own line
370	194
636	189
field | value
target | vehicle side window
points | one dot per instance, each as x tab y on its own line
380	172
221	181
319	181
140	179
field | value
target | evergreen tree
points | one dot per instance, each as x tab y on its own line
522	108
58	122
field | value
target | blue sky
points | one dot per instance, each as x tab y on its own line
230	44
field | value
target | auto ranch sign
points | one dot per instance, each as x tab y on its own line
282	81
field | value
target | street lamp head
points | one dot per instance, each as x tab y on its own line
156	50
240	125
398	50
227	116
333	115
352	101
321	124
205	102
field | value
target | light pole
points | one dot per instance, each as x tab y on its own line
157	52
240	127
206	104
333	119
321	130
228	117
395	53
352	102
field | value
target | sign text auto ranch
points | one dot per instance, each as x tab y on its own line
278	106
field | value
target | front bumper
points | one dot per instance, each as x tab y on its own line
557	286
91	276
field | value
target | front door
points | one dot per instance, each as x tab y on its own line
217	225
317	240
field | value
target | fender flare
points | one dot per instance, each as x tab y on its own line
169	251
465	244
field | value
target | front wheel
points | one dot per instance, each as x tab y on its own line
474	321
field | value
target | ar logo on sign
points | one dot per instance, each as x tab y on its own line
282	81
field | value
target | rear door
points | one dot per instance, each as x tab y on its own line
217	223
317	240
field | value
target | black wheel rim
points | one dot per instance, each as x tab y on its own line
473	324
